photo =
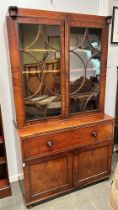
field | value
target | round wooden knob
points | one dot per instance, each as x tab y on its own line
50	144
94	133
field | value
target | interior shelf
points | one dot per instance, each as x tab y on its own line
5	189
1	140
3	183
2	160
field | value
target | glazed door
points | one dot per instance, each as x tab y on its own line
86	58
38	70
91	164
48	176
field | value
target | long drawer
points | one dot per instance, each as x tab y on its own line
61	140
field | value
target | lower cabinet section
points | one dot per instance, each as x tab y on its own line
48	176
91	164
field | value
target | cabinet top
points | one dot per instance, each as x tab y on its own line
73	122
14	11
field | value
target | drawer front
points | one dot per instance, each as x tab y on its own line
59	141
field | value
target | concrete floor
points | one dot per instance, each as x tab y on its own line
94	197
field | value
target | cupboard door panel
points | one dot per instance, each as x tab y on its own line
92	165
41	69
48	176
38	68
85	68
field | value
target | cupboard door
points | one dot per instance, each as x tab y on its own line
40	48
48	176
86	65
39	68
92	164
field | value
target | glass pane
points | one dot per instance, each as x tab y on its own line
41	76
85	57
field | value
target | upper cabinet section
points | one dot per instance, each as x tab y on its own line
58	64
